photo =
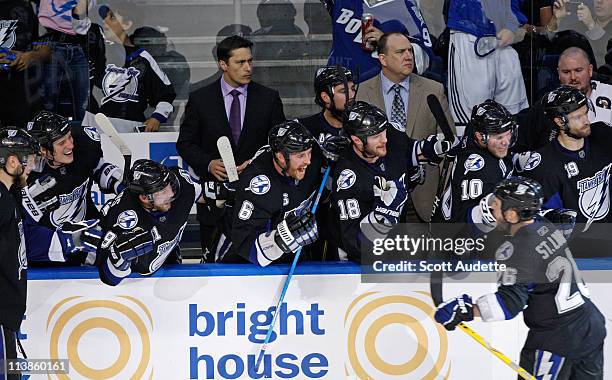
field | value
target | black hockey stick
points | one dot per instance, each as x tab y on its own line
438	113
107	127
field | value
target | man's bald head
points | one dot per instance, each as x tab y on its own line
575	70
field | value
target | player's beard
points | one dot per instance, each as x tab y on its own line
335	112
378	151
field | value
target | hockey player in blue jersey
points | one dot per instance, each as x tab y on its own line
566	330
389	16
60	193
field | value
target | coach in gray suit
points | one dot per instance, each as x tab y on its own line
403	95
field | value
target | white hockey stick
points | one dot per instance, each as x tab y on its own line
227	156
105	125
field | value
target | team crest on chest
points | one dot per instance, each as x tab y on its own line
127	219
474	163
260	185
120	84
594	197
7	33
504	251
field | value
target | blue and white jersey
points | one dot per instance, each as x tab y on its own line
389	16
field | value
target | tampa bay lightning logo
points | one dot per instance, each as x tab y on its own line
346	179
7	33
120	84
260	185
92	133
594	197
474	163
504	251
127	219
527	161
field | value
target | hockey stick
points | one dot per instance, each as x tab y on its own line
264	346
436	278
105	125
227	156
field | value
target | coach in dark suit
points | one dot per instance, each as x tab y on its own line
233	106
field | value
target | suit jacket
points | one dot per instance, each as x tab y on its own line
420	123
205	121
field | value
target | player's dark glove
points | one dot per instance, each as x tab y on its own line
417	177
563	218
37	199
297	230
223	193
434	148
129	245
455	311
390	199
333	146
84	236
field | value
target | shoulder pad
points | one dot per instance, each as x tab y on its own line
183	173
527	161
92	133
398	126
346	179
127	220
259	185
473	163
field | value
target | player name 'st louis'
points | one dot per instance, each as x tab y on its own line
444	266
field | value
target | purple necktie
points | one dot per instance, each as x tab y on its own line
234	116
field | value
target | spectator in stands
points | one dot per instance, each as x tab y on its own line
389	16
574	69
139	82
172	62
594	23
319	25
67	24
235	107
277	18
21	59
402	94
481	63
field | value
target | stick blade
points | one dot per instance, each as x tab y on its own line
107	127
225	150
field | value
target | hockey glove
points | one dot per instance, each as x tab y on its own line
562	218
333	146
36	198
391	196
434	148
84	236
223	193
417	177
296	231
130	245
455	311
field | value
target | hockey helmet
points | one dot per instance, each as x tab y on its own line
18	142
326	78
563	101
150	178
290	137
490	118
48	127
362	119
525	195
